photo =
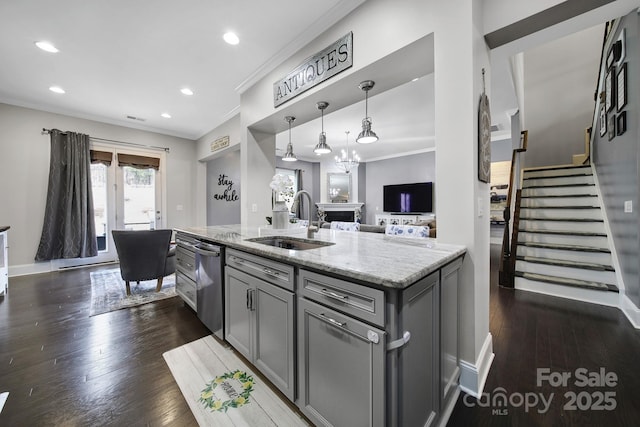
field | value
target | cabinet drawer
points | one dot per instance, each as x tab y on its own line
356	300
272	271
186	288
186	262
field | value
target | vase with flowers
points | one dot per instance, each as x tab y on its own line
282	187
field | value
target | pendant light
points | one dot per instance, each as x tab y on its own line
322	147
289	156
348	160
367	136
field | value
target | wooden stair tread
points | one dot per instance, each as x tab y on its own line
555	168
561	219
566	263
564	247
559	195
567	282
559	207
564	232
557	176
525	187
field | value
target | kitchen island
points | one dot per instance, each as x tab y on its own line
362	330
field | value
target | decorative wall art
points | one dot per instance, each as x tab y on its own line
621	87
603	120
621	124
484	136
609	89
611	127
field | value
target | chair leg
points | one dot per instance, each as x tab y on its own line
159	285
128	288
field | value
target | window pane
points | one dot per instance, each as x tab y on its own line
139	198
99	188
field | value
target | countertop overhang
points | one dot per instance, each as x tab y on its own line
368	257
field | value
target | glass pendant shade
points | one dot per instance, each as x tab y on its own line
367	136
322	147
289	156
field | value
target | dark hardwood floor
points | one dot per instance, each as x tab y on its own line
64	368
531	332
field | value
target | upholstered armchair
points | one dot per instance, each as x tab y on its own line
144	255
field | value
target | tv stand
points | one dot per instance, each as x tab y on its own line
402	218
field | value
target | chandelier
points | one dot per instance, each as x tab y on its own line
348	160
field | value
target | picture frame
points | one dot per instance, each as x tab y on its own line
621	123
603	120
621	87
610	58
609	89
611	127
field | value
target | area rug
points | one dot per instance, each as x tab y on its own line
109	293
221	390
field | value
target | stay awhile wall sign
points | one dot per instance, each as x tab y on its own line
229	194
325	64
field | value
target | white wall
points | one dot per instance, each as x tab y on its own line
24	173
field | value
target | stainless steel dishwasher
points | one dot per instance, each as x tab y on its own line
210	286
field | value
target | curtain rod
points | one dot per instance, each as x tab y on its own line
44	130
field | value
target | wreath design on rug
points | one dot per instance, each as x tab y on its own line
230	390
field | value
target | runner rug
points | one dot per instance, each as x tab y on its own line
221	390
109	293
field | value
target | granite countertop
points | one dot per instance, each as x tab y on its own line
369	257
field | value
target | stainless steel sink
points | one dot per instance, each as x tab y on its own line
292	243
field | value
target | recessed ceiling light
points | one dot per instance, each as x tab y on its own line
231	38
166	115
47	47
186	91
56	89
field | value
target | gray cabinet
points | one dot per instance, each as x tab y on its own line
259	319
341	368
186	269
341	358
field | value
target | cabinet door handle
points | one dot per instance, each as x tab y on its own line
333	295
248	299
236	259
333	321
252	293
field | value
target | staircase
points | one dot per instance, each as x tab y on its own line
562	246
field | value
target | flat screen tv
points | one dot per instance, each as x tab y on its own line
408	198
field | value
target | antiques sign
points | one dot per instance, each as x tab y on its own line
220	143
322	66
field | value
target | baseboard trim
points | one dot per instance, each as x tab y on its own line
630	310
26	269
473	376
448	410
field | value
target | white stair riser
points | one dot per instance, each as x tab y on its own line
556	172
566	180
603	258
561	213
591	227
564	239
558	201
559	191
580	294
608	277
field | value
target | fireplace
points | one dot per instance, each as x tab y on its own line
347	212
347	216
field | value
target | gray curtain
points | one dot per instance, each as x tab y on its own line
298	207
69	229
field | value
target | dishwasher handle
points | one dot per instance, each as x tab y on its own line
207	250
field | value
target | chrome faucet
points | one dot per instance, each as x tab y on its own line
310	228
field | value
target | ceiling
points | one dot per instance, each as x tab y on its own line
122	58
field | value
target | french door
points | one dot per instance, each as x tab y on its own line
124	198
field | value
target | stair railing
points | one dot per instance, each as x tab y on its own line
507	260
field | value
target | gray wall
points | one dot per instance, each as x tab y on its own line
223	189
558	96
616	163
400	170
